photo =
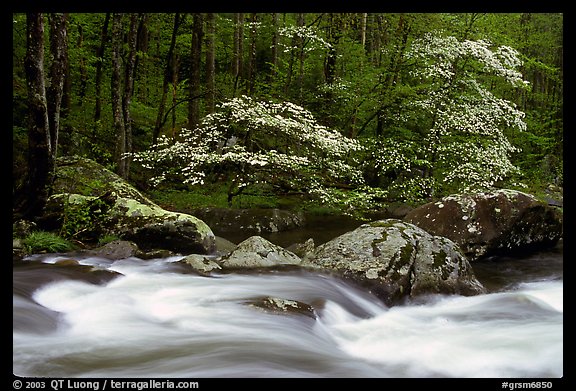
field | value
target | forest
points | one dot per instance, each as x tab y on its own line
344	111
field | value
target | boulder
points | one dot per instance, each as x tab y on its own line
80	175
256	252
485	224
147	225
104	204
398	260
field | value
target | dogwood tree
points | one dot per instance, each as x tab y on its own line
463	121
247	141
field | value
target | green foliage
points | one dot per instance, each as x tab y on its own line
409	98
82	217
42	241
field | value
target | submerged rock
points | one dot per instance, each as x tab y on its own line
278	305
496	222
396	260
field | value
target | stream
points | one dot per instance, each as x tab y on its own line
156	318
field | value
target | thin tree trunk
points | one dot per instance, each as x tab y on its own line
210	62
82	66
238	54
99	62
59	53
116	88
301	23
129	90
167	78
363	30
175	66
252	54
196	52
274	61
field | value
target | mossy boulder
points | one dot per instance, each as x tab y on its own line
93	201
490	223
398	260
80	175
149	226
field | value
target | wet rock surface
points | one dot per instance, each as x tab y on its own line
491	223
398	260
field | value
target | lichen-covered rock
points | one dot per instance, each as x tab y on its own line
201	264
302	250
496	222
396	260
256	252
148	225
86	193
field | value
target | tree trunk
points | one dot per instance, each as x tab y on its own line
40	164
195	82
116	87
238	55
252	54
175	67
82	66
59	52
99	62
334	34
301	23
363	30
129	90
210	62
274	48
167	78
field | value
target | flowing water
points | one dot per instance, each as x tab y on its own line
155	318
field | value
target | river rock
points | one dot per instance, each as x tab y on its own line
256	252
80	175
302	250
85	190
147	225
253	221
396	260
279	305
201	264
489	223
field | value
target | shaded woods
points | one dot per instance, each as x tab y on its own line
437	103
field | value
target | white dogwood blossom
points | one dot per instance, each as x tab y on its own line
466	141
256	141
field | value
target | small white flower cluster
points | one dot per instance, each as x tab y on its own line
310	37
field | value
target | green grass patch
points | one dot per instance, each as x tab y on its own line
42	241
